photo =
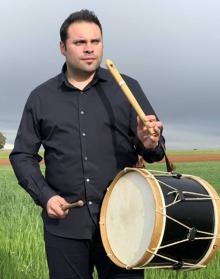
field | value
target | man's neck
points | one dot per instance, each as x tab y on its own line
79	80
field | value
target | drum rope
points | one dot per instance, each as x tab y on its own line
191	266
206	197
161	172
176	200
189	228
182	193
185	240
196	194
184	264
174	243
203	196
167	185
163	257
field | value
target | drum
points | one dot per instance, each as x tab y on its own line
160	220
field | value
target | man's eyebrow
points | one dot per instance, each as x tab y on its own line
79	40
96	39
83	40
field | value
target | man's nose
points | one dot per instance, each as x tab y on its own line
88	48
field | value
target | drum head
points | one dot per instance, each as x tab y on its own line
130	217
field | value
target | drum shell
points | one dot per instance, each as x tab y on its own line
197	213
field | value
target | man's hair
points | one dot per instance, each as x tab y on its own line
82	15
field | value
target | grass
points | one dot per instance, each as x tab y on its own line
4	154
206	170
21	244
22	253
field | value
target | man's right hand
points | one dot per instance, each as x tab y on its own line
54	207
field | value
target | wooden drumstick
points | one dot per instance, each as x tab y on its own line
79	203
115	73
125	89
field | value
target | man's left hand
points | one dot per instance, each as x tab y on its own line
149	133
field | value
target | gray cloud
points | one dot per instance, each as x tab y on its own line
171	47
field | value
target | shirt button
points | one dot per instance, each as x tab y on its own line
90	202
87	180
85	158
83	134
81	112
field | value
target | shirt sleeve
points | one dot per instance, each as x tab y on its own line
149	155
25	160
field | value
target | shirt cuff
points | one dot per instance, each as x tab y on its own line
153	155
45	192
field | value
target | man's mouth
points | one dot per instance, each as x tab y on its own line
90	59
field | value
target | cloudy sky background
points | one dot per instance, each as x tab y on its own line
171	47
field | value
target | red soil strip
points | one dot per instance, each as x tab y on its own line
172	158
194	158
4	162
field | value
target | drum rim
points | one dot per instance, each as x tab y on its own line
160	220
103	230
159	225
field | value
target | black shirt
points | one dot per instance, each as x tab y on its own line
88	137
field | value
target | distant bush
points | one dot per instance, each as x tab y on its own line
2	140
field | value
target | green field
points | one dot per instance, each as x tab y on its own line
4	154
193	152
22	253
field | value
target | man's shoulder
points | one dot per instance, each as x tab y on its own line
44	91
107	75
129	78
47	85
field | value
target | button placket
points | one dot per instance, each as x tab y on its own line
82	113
84	142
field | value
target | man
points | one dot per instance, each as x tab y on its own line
89	132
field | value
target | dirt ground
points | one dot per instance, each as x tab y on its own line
4	162
173	158
194	158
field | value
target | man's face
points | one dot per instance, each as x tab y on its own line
83	48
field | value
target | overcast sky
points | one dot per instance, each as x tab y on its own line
171	47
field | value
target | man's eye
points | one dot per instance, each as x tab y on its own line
79	43
96	42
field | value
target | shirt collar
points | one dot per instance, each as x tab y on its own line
101	74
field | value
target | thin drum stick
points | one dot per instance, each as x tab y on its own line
79	203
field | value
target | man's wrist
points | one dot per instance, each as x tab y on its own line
152	147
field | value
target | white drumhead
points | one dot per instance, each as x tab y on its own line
130	217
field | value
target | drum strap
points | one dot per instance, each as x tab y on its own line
169	165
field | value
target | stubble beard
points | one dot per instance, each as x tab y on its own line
85	69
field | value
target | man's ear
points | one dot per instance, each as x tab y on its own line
62	48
